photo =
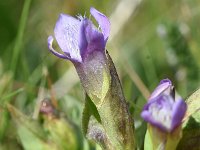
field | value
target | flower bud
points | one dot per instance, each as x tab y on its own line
164	112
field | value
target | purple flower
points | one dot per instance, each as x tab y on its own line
84	45
164	110
78	37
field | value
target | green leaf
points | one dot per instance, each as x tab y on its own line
193	103
106	84
96	133
30	132
114	113
61	133
148	145
4	118
88	111
191	133
31	141
191	126
91	124
8	97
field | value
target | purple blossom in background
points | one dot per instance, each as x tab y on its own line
164	110
78	37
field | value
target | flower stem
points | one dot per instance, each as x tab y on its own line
18	42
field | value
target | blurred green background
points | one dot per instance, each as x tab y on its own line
149	41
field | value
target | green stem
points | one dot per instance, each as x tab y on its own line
18	43
6	98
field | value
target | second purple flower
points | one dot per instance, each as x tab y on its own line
164	110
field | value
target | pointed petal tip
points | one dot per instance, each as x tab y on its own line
103	22
166	81
92	9
165	86
50	40
51	49
62	15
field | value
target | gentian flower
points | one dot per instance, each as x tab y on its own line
78	37
164	110
84	45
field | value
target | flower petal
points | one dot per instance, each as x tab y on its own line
178	112
95	39
83	43
158	112
67	35
103	22
163	86
51	49
147	116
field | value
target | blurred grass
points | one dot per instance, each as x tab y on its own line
159	39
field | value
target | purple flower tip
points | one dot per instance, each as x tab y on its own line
165	86
163	110
78	37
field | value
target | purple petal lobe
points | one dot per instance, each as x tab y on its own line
95	39
67	35
148	118
178	112
103	22
164	113
160	109
51	49
83	43
164	86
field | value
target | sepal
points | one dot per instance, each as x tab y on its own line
155	139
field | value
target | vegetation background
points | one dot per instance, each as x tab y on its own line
149	41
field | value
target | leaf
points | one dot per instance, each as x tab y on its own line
88	111
30	141
8	97
4	116
30	132
191	133
106	84
61	133
193	103
115	116
148	145
191	126
91	124
96	133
